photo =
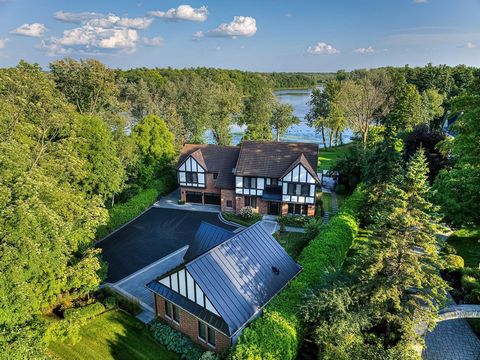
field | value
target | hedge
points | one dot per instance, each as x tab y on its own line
122	213
278	333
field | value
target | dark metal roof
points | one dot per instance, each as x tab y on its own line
272	159
206	237
215	159
190	306
238	275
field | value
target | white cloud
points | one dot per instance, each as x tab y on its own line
240	26
33	30
3	42
183	12
420	1
54	48
368	50
322	48
470	45
155	41
76	18
104	21
288	14
198	35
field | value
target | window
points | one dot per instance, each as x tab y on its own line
192	177
274	182
211	336
202	331
297	209
249	182
215	175
298	189
168	310
251	201
176	314
229	204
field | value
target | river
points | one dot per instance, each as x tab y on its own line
298	98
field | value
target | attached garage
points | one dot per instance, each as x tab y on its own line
194	197
213	199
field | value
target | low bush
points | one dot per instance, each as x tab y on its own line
122	213
181	202
293	220
278	333
112	298
69	327
239	220
453	261
175	341
246	213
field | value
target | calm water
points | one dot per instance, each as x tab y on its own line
298	98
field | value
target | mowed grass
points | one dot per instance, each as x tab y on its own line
113	335
467	244
293	243
326	158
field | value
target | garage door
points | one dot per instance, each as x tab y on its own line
213	199
194	197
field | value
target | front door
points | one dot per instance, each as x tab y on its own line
273	208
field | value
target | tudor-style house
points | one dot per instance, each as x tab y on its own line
276	178
225	281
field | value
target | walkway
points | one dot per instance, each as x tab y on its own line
170	201
327	215
453	338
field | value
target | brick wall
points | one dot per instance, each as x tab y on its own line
189	326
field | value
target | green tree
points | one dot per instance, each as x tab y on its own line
282	119
87	84
48	222
155	144
432	104
457	190
407	109
227	102
399	272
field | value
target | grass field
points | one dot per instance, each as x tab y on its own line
467	244
113	335
293	243
326	158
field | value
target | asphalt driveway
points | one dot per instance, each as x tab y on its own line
155	234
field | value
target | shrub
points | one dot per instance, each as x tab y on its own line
469	283
122	213
208	355
130	305
181	202
240	220
449	249
246	213
453	261
278	333
175	341
293	220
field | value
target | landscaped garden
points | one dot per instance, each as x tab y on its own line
245	217
326	157
112	335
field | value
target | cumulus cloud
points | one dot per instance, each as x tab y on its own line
33	30
322	48
154	41
239	26
98	32
368	50
183	12
3	42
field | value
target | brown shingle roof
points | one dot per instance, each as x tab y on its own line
215	158
272	159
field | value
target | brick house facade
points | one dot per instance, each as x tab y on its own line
271	177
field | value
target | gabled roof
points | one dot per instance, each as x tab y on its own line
239	276
302	160
272	159
214	159
206	237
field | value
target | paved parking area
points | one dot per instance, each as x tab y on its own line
153	235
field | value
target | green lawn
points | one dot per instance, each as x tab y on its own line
326	158
327	201
293	243
467	244
113	335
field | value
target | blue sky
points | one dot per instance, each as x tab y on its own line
261	35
